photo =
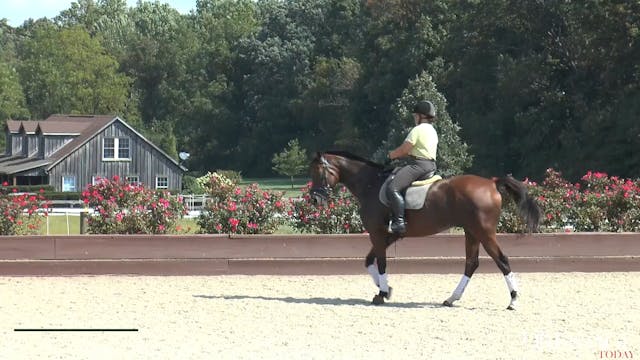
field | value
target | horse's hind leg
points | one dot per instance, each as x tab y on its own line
493	249
372	268
379	251
472	248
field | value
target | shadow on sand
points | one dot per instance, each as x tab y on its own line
323	301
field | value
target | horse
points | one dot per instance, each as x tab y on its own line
471	202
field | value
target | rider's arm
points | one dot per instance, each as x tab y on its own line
401	151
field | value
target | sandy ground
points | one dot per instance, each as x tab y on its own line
560	316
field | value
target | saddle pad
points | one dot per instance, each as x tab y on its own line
430	180
415	194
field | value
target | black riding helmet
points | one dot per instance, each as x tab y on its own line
425	108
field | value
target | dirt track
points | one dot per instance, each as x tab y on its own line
560	316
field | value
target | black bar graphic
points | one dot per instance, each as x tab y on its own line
74	330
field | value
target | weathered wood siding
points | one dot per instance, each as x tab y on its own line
32	145
7	141
16	144
51	143
145	162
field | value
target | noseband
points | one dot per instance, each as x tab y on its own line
324	188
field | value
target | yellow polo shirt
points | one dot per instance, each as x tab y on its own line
424	139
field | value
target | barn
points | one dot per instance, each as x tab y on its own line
69	152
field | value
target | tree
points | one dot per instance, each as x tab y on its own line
12	103
66	71
453	157
291	161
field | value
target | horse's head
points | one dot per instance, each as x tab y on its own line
324	176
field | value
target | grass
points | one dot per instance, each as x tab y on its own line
58	226
279	184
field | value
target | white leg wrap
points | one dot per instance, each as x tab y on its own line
512	282
457	293
373	271
384	285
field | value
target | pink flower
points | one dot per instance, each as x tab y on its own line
5	184
116	178
232	206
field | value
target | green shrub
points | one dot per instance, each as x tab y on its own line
597	203
19	211
233	176
124	208
241	211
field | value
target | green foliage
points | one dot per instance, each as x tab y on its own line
12	101
232	175
532	84
217	185
67	72
190	185
453	157
597	203
291	161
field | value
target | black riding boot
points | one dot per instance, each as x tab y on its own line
396	199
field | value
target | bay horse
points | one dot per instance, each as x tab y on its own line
471	202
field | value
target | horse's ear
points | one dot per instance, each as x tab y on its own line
318	155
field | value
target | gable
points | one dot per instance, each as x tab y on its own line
106	127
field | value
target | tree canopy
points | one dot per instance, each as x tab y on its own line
521	86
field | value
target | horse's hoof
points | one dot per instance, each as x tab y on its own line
387	295
378	300
511	307
447	303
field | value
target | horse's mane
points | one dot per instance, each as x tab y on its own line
351	156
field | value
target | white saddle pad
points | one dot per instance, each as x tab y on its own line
415	194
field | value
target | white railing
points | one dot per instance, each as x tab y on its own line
195	202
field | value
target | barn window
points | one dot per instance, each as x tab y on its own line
68	183
116	149
162	182
133	180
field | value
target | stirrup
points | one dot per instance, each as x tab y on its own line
400	231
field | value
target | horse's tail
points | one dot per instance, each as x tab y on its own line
527	206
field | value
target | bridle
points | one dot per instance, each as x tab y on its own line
323	190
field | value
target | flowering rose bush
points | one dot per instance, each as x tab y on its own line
123	208
241	211
597	203
340	215
217	185
20	211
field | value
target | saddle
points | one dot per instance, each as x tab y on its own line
416	193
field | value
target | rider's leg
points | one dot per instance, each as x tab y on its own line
401	180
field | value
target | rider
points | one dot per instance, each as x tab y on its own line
420	146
